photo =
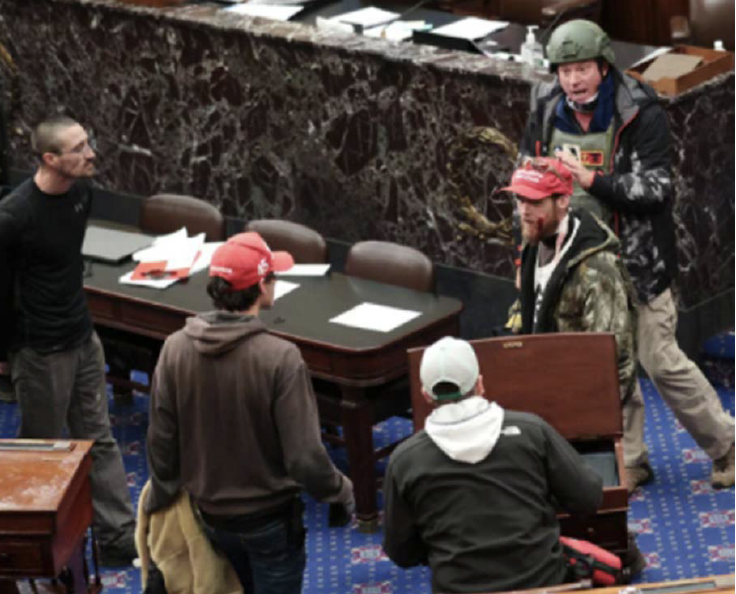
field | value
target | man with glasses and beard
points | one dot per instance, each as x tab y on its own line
56	360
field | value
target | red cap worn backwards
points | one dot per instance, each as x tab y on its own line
540	178
245	259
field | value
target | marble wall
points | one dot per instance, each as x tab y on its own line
356	137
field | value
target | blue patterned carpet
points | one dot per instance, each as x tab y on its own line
685	528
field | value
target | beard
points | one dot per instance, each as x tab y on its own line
533	231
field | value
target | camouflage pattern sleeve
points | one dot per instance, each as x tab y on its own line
597	298
646	186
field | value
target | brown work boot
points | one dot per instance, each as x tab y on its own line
723	470
638	475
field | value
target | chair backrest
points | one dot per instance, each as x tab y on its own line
304	244
391	263
165	213
568	379
711	20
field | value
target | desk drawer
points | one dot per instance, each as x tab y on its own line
21	558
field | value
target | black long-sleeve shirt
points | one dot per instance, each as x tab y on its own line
41	262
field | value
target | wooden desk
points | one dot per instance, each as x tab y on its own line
353	366
45	509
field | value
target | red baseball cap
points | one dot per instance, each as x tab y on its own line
245	259
540	178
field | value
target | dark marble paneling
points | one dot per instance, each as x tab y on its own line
353	136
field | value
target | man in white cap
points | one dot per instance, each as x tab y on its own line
471	494
234	422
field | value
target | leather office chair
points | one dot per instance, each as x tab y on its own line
304	244
166	213
160	214
707	21
391	263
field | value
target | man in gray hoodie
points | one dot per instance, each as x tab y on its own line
471	494
234	422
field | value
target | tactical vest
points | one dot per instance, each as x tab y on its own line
595	152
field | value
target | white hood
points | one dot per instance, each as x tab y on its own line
467	430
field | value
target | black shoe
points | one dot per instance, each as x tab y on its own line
633	562
118	555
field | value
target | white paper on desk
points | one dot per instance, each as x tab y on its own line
153	283
275	12
182	254
371	316
306	270
205	256
333	26
367	17
283	288
396	31
650	56
160	243
176	249
471	28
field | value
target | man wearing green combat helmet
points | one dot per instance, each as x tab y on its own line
613	135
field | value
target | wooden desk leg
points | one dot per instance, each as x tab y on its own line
357	423
74	576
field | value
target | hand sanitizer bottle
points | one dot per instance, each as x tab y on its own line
531	50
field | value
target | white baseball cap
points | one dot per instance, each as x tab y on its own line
449	360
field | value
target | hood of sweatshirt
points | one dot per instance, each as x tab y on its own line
217	332
467	430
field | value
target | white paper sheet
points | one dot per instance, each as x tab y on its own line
471	28
176	249
205	256
333	26
306	270
396	31
266	11
658	52
371	316
159	246
367	17
283	288
153	283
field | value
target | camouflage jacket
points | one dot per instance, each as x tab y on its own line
638	189
589	291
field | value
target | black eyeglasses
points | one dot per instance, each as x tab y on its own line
82	147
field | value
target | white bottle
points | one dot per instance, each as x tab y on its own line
718	45
532	52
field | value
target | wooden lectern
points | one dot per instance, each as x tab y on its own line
571	381
45	510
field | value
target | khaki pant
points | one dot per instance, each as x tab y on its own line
679	382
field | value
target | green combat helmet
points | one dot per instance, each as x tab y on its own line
577	41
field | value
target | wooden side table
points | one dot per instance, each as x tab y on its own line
45	511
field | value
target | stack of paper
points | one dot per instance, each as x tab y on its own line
267	10
365	18
471	28
170	258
